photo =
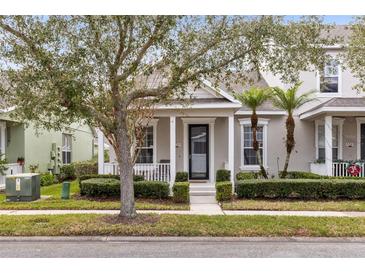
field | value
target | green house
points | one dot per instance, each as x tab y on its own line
24	146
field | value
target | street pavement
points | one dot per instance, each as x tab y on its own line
198	247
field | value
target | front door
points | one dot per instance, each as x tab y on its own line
198	152
362	142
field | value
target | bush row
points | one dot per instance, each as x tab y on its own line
180	192
110	187
302	189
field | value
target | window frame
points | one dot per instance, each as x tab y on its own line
67	150
339	83
264	124
153	124
335	122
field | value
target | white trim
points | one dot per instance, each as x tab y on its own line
199	106
172	149
100	151
261	122
7	109
335	122
359	121
319	111
334	94
231	146
328	121
191	121
262	112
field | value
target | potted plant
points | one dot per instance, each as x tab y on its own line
20	160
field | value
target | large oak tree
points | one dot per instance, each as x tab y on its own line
110	70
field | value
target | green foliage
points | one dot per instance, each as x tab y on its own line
33	168
48	179
67	172
137	178
246	175
182	176
254	97
303	175
3	163
85	168
180	192
302	189
223	175
223	191
110	187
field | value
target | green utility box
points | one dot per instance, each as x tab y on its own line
65	190
24	187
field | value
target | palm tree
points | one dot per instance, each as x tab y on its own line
253	98
289	101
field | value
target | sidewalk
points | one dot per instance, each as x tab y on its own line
195	210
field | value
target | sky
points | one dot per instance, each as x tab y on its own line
330	19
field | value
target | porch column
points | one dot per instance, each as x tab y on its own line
172	149
100	151
2	139
231	146
328	143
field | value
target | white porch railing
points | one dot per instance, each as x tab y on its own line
150	172
13	168
340	169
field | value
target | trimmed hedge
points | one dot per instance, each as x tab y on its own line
110	187
67	172
180	192
302	175
223	191
246	175
223	175
85	168
181	176
48	179
302	189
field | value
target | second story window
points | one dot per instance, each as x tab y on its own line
329	80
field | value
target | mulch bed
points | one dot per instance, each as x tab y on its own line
139	219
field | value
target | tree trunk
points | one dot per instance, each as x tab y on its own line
290	142
125	162
255	145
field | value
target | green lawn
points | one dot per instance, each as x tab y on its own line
55	202
182	225
252	204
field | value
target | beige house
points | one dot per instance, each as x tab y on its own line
214	131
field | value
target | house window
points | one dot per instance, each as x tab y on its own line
329	80
146	150
249	155
66	148
336	141
249	159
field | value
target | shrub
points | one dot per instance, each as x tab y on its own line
151	189
138	178
302	189
303	175
246	176
181	176
85	168
223	191
180	192
47	179
110	187
223	175
67	172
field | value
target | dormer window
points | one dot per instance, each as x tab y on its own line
329	79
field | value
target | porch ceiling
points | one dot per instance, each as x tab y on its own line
337	107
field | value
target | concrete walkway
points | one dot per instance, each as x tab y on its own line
196	209
202	200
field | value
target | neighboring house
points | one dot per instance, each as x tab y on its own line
47	149
214	132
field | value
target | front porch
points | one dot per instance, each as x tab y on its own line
339	144
197	145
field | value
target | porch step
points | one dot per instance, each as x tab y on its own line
202	190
